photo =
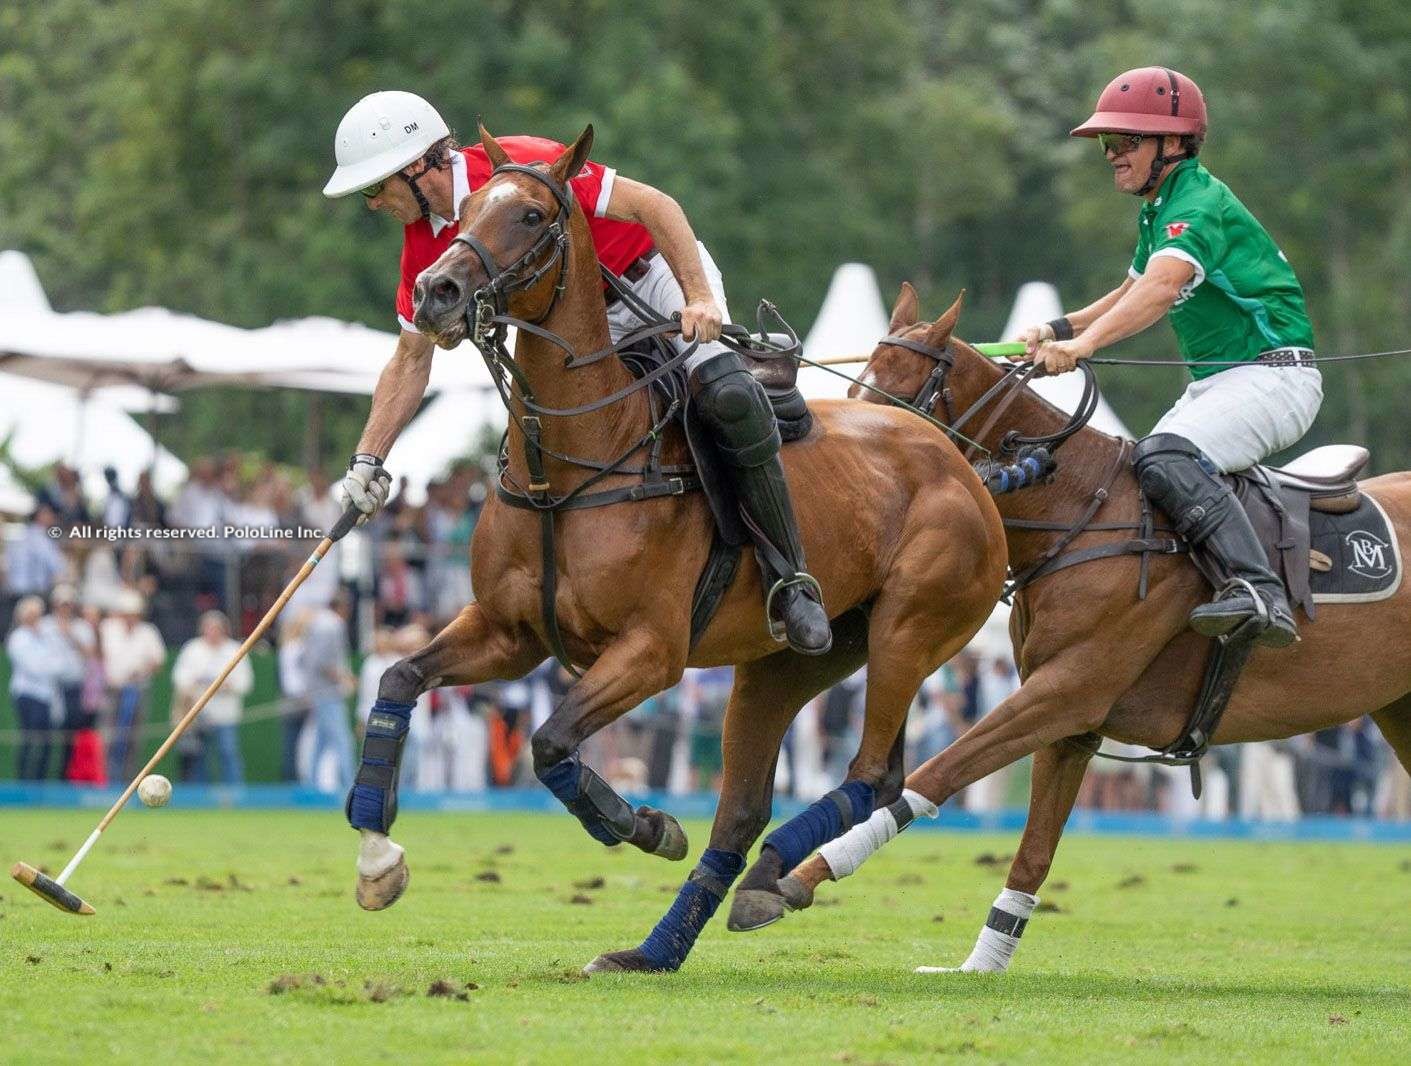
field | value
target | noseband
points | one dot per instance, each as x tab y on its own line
492	298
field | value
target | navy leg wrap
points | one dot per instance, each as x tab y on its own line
671	941
372	801
606	815
830	817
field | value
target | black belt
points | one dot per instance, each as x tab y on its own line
635	272
1286	357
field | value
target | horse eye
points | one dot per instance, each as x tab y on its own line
532	218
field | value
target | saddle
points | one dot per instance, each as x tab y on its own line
1292	509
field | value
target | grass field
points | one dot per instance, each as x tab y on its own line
1162	951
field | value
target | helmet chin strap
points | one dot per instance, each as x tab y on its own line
1158	164
421	201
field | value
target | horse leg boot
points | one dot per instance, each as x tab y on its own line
735	408
468	651
766	697
895	672
1058	773
628	672
1206	512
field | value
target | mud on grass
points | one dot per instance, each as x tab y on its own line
237	940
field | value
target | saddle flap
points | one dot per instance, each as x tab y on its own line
1279	515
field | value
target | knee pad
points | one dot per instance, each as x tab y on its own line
372	801
736	408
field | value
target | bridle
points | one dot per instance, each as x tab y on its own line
491	298
936	389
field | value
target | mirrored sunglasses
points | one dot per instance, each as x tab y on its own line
1119	143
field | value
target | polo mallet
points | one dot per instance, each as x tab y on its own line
990	349
51	889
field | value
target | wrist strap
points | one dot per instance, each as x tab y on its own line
1062	329
364	457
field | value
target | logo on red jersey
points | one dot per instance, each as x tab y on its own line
1175	229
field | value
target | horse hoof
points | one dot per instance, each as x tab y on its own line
673	844
754	908
632	961
797	895
380	892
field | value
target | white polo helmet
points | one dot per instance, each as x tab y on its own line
382	133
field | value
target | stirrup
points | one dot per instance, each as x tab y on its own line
777	629
1261	618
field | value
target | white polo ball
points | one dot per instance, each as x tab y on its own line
155	790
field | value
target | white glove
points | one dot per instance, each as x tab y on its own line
365	486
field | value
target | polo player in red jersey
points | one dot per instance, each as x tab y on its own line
396	150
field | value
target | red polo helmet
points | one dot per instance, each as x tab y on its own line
1148	100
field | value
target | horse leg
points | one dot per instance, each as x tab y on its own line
1058	774
1394	720
637	666
470	650
901	654
766	696
1051	705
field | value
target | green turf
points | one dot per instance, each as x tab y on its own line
1162	951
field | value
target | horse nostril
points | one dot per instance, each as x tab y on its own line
445	292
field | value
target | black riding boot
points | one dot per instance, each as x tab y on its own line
1206	512
735	408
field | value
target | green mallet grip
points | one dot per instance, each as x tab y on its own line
1000	349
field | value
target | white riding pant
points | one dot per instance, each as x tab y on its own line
659	290
1242	415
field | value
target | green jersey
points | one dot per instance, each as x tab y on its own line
1244	298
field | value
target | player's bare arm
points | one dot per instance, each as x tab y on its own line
399	392
632	201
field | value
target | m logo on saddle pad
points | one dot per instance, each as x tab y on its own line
1371	556
1366	561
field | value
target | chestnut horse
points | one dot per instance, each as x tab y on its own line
1094	658
904	540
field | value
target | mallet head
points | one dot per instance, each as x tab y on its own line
49	890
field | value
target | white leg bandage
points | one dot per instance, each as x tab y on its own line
377	854
846	853
995	946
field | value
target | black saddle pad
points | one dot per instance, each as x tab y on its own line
1365	556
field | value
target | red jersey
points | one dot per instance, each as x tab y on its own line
618	244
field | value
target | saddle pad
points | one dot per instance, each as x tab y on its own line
1364	552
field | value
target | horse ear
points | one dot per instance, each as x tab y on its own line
574	156
498	156
905	309
942	328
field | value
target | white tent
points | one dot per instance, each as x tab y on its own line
1037	301
851	322
46	423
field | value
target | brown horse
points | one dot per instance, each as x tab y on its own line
906	543
1097	660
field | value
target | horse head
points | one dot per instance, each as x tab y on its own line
914	354
510	255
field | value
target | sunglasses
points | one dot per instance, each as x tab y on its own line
375	190
1120	143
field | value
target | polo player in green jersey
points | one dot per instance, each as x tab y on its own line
1240	322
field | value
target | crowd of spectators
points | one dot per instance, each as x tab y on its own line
90	617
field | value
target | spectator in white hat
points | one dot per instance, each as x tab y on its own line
132	653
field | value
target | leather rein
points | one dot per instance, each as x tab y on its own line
1036	455
487	324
